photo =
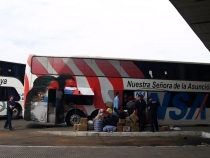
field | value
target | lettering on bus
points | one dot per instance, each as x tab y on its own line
3	81
179	101
165	85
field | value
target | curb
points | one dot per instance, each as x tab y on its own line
128	134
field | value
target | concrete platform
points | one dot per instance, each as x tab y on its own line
128	134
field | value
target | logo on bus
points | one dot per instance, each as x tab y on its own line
2	107
180	101
3	81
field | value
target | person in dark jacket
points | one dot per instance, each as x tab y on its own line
10	107
140	106
152	110
129	106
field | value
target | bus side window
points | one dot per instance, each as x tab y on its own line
12	91
3	94
0	70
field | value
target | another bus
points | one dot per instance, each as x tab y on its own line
11	83
64	89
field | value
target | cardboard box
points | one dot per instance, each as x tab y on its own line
83	121
109	104
90	127
81	127
165	128
75	126
128	121
136	124
135	129
128	124
126	129
119	128
134	117
122	121
120	124
171	126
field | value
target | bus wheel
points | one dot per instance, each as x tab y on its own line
16	112
74	118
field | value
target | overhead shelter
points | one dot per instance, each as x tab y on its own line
197	14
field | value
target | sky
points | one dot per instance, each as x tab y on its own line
140	29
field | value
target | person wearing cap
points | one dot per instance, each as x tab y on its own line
140	106
152	110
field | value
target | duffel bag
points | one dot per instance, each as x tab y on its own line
98	125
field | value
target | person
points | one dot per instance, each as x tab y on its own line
130	106
152	109
117	102
140	106
10	107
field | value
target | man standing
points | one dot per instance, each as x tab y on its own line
117	103
10	107
140	106
152	109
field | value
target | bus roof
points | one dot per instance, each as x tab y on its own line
11	62
116	58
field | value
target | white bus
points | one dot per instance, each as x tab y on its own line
63	89
11	83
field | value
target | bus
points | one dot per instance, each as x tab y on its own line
64	89
11	83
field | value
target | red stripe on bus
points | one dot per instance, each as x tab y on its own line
93	82
202	105
60	66
131	69
38	68
29	59
107	68
26	88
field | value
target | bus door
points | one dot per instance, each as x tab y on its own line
3	103
51	106
54	110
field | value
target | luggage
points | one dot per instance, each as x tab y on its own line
109	104
134	117
98	125
114	118
122	114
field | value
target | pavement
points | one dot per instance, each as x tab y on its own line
100	152
27	141
201	131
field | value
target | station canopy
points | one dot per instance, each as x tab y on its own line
197	14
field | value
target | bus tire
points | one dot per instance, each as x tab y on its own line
16	112
74	118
